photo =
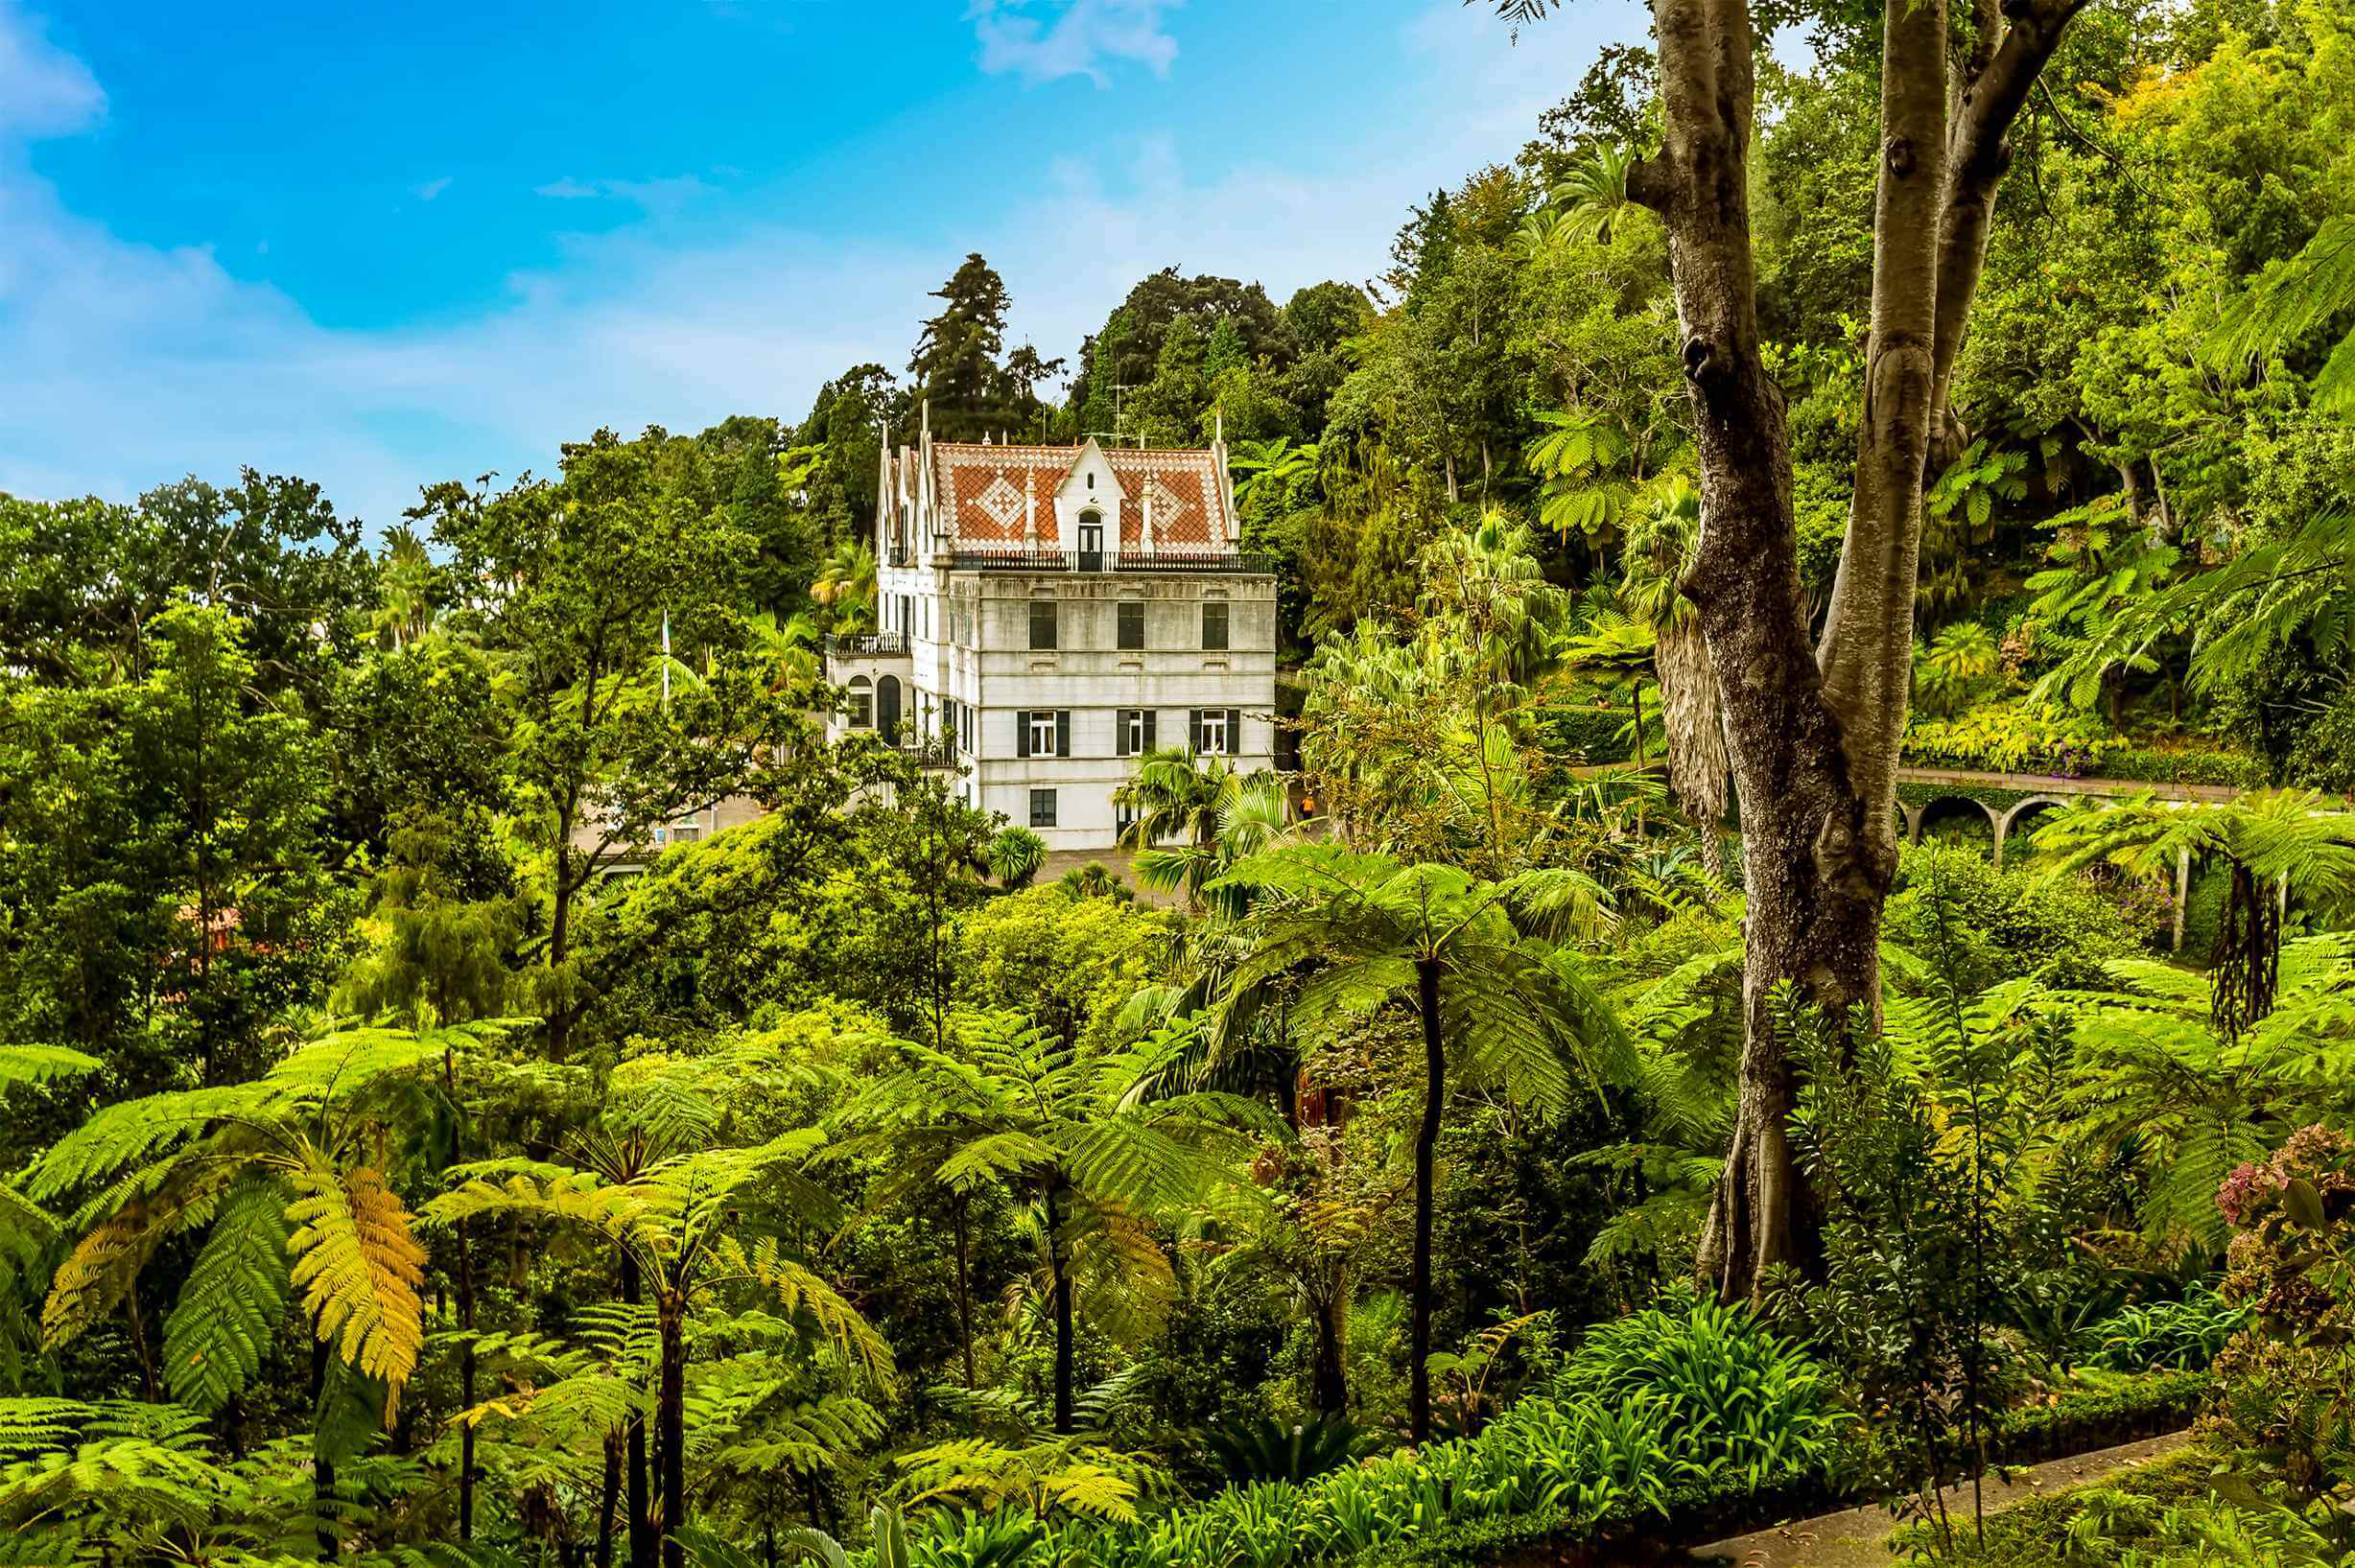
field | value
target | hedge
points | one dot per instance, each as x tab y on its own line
1592	735
1711	1509
2146	764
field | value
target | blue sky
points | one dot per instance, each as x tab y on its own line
383	245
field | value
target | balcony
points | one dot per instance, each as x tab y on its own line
866	646
1157	562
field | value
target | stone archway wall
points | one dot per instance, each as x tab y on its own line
1917	817
2010	818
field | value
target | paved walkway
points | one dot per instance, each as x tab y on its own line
1858	1537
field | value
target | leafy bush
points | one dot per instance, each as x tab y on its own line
1600	735
2022	735
2004	924
1736	1393
2289	1382
2186	1334
1259	1449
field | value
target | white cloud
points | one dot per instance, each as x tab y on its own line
432	188
664	195
1082	40
43	91
123	364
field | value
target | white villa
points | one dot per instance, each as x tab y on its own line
1045	614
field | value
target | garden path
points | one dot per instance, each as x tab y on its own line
1858	1537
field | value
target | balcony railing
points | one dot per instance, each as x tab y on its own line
867	644
1211	560
1127	560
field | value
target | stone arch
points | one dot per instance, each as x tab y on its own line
1949	808
2022	810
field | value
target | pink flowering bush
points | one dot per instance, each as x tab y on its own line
2290	1377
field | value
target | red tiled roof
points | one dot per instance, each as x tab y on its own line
988	491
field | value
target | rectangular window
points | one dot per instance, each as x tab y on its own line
1213	625
1124	818
1133	730
1042	733
1042	623
1211	736
1041	809
1132	625
863	707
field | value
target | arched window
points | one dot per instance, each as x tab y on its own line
861	703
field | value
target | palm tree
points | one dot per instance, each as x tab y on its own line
786	651
1505	1009
845	584
1217	815
1066	1130
1096	880
406	585
1014	856
1594	196
688	1219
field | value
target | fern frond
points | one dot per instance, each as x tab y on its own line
230	1308
360	1269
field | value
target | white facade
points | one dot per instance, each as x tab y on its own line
1047	613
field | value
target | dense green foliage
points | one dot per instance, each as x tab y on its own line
424	1145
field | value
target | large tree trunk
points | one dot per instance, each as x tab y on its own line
1813	743
1427	1161
1696	733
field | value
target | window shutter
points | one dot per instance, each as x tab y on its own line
1235	731
1063	732
1022	733
1193	730
1120	732
1149	716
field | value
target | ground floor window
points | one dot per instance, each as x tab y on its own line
1041	809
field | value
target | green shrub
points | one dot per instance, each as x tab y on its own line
2015	737
2097	1418
1587	736
2005	924
2323	755
1740	1401
1260	1449
2182	1335
1569	1461
2042	1531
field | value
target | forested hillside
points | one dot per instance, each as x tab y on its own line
1623	1087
